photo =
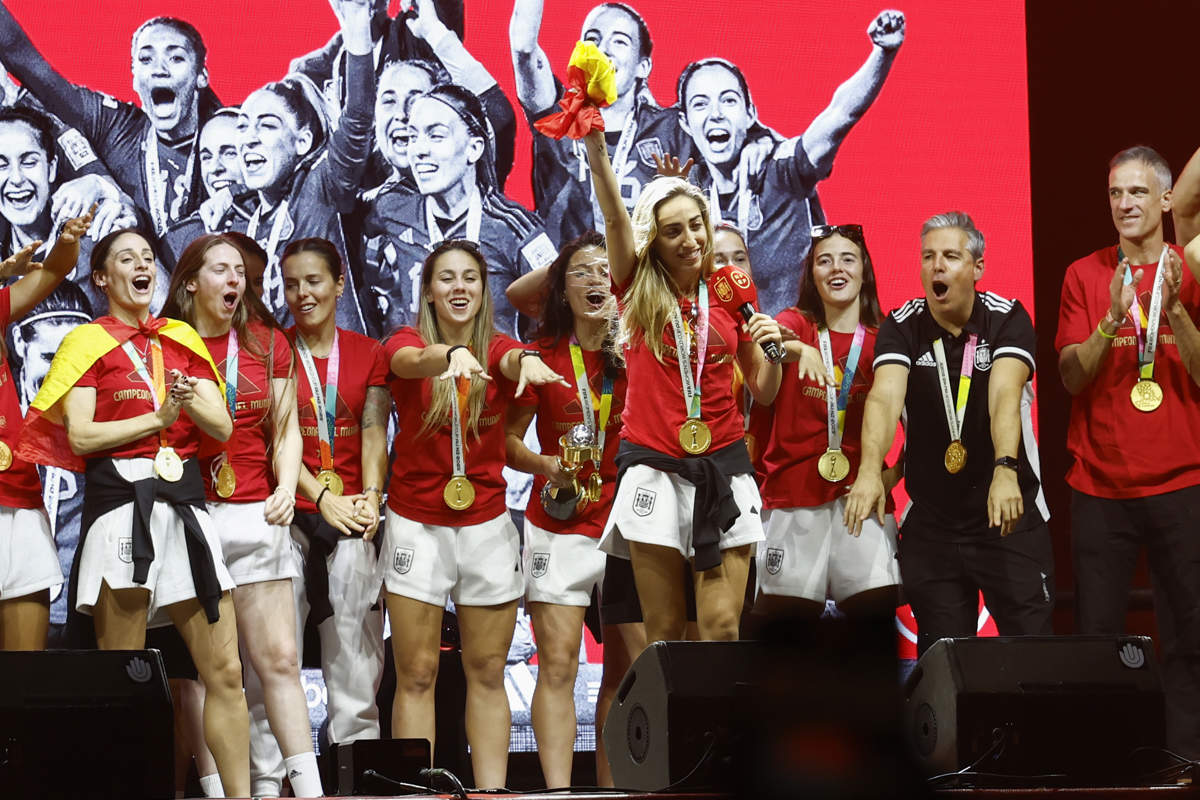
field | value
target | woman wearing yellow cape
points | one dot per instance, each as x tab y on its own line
132	400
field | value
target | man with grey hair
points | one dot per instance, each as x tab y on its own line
959	363
1129	354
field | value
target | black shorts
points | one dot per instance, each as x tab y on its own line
619	603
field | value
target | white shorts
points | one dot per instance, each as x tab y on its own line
561	568
654	507
28	560
107	555
254	551
473	565
810	554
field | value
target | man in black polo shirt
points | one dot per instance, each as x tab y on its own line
959	363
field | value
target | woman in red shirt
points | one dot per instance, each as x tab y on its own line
149	553
687	487
343	405
813	452
250	484
562	562
448	531
28	560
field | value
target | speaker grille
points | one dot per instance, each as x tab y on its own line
637	732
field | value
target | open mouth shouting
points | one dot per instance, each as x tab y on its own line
230	300
719	138
142	284
254	164
597	298
940	289
20	199
163	102
460	304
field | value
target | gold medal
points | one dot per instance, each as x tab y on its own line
1146	395
226	480
168	465
459	494
595	487
6	456
695	437
956	457
331	481
833	466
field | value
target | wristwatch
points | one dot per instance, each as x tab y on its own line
1007	461
524	353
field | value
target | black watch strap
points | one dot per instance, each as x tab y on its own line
1008	461
524	353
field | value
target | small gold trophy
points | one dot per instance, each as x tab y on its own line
578	447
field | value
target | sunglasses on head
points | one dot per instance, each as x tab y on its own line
820	232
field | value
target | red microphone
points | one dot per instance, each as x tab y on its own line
735	291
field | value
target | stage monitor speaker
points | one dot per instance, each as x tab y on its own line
1072	708
375	766
677	715
86	724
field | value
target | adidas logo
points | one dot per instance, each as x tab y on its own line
293	773
926	360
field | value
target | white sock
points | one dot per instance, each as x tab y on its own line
265	787
303	775
211	784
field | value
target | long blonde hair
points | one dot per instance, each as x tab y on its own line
652	292
442	404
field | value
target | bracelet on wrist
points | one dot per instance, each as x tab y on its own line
1100	329
454	347
317	503
537	353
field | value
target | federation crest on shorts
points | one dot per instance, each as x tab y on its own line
643	502
774	560
539	564
125	549
983	357
402	560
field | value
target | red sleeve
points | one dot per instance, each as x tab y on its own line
380	369
501	344
1075	321
405	337
90	377
797	322
198	367
284	365
5	306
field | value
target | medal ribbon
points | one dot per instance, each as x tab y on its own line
157	180
272	275
155	382
955	407
619	157
683	348
742	199
474	220
837	400
324	402
458	397
587	401
1146	326
231	382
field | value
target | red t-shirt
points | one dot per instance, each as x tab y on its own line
251	445
122	394
20	486
362	365
558	410
800	434
424	462
654	405
1121	452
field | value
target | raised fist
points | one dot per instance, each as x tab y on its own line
887	30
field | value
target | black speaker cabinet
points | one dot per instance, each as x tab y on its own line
1071	707
86	723
678	713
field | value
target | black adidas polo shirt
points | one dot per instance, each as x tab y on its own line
955	506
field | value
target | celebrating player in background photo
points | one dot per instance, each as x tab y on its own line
344	405
448	531
811	457
149	150
146	558
775	207
636	127
1128	354
29	565
959	363
250	485
452	157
